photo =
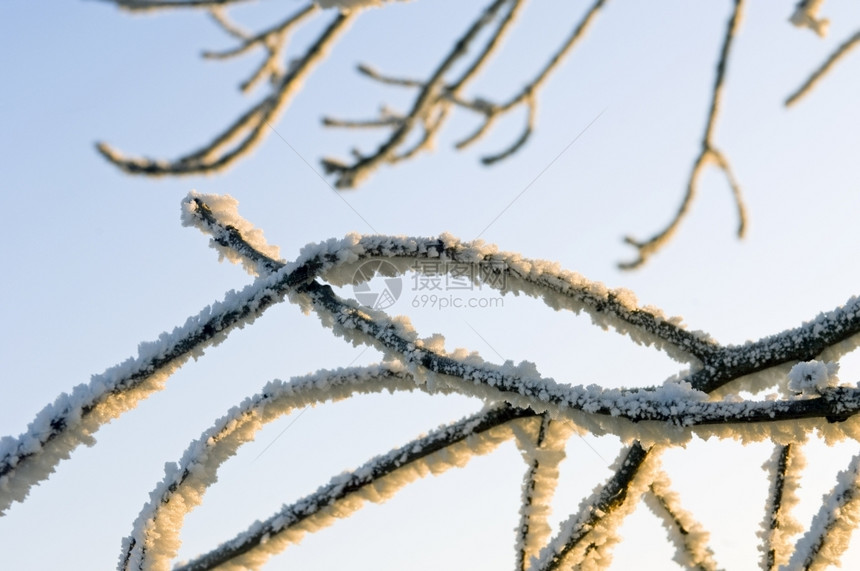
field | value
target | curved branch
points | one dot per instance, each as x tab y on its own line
429	97
645	249
823	69
528	94
185	483
241	137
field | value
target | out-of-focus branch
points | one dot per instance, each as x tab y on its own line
272	39
158	5
823	69
805	15
241	137
527	95
709	154
435	98
431	99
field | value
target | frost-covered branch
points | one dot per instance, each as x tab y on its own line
709	154
834	333
72	418
154	540
778	526
657	415
527	95
688	536
543	452
596	518
375	481
244	134
827	537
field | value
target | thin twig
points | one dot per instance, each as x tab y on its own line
251	127
823	69
708	154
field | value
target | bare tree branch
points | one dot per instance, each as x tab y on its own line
244	134
823	69
709	154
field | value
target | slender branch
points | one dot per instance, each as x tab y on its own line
426	100
688	536
377	480
828	535
594	511
708	154
823	69
543	456
156	5
778	525
244	134
272	39
528	94
436	97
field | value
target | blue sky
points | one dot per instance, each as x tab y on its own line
98	262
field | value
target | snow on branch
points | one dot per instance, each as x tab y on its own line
72	418
154	540
688	536
779	526
827	538
543	452
375	481
591	530
650	417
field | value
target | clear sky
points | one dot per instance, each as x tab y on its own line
96	261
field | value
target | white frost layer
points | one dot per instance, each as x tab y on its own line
827	538
811	377
779	526
224	208
685	533
598	529
154	541
543	460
